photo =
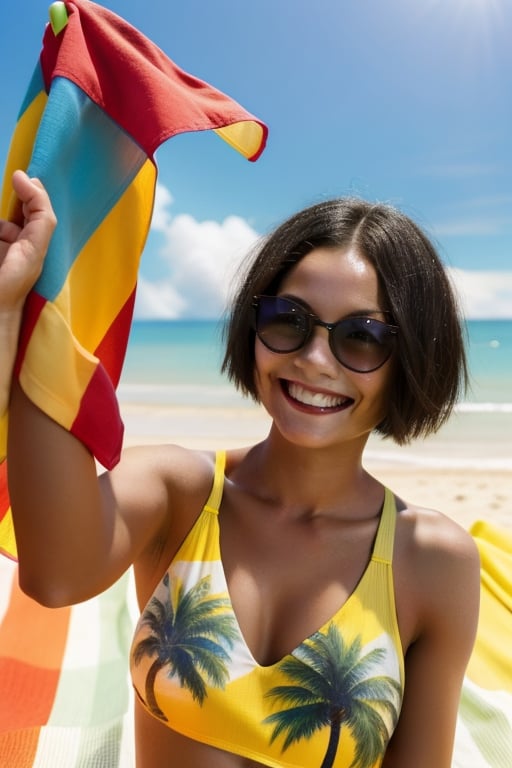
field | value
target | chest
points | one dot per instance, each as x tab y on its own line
287	577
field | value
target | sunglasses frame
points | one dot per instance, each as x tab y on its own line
313	320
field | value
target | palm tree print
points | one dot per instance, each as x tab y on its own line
334	688
189	636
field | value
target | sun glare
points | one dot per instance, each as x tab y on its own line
477	21
481	8
483	4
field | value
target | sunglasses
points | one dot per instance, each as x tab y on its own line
361	344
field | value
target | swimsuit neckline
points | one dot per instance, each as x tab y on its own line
212	506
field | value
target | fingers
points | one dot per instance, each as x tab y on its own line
9	231
32	196
24	243
38	218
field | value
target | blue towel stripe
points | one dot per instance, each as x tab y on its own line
85	178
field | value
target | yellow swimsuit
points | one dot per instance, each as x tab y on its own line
334	701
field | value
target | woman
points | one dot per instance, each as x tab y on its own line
294	611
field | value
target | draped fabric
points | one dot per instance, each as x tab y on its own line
484	730
491	662
101	101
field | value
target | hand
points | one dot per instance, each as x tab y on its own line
24	242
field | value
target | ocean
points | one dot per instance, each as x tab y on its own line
178	363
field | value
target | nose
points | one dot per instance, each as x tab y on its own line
317	352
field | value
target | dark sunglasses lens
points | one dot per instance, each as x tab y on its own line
281	324
362	343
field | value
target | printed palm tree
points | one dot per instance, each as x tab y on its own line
190	638
334	688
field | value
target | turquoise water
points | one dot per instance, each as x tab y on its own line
490	361
174	352
179	361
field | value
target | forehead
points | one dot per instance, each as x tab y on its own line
334	277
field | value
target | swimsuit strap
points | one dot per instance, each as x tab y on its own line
215	497
383	547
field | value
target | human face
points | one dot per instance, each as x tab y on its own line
312	398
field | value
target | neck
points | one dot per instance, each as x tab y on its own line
310	479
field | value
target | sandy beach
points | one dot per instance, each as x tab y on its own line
465	470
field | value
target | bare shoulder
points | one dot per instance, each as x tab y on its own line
432	538
156	486
181	469
429	533
437	568
158	492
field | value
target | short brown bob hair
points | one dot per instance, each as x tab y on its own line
430	361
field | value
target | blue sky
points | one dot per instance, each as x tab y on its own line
403	101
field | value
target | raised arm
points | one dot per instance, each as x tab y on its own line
75	533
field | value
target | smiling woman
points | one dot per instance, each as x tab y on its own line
282	575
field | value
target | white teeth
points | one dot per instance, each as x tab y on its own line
318	399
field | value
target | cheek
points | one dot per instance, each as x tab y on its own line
266	370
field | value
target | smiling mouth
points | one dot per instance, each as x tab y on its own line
317	400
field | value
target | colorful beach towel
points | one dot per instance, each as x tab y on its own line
102	99
65	697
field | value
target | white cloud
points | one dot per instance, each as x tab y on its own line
158	300
161	216
199	258
484	294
